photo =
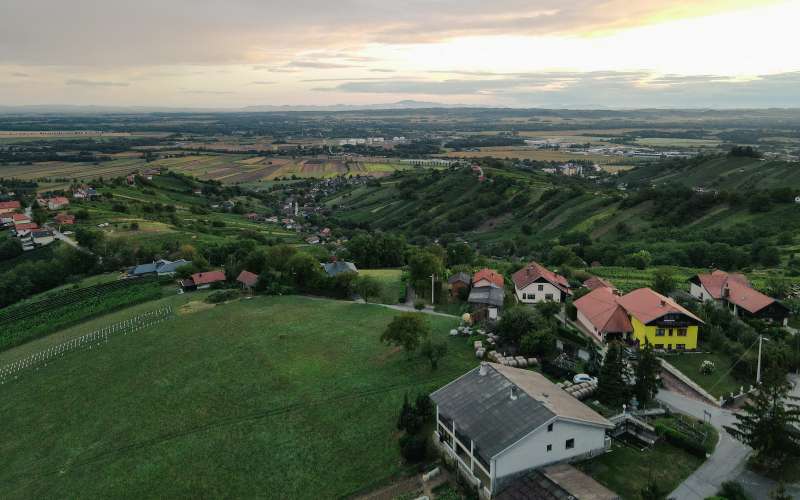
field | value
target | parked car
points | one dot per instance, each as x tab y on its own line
581	377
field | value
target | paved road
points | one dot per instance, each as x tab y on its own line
63	237
726	463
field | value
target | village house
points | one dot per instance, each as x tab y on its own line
84	193
594	283
201	281
24	229
640	316
247	279
337	267
487	295
57	203
9	206
161	267
251	216
497	422
20	219
313	240
64	219
459	282
734	291
42	237
535	283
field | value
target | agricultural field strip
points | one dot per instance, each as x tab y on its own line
172	435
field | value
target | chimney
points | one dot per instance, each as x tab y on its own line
726	292
663	303
484	369
514	392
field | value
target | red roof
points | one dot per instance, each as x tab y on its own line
64	218
206	278
26	226
735	289
490	275
535	271
247	278
58	200
647	305
601	307
5	205
20	217
595	282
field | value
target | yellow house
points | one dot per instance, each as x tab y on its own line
660	320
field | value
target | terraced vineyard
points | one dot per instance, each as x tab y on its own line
27	321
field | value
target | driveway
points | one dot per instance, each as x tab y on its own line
728	461
63	237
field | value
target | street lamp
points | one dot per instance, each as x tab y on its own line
758	367
432	281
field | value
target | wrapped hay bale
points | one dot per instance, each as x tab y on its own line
533	361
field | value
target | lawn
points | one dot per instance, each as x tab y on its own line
719	383
274	397
626	470
390	279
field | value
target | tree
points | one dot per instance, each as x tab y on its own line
731	490
653	492
368	286
780	493
663	281
612	389
646	372
766	419
640	259
433	352
305	270
407	331
516	322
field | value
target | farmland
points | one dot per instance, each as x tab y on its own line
527	153
182	409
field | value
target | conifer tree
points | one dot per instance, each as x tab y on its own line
646	375
611	388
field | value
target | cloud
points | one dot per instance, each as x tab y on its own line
53	32
382	70
263	82
79	82
18	74
208	92
598	89
317	65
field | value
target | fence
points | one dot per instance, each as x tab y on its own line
87	341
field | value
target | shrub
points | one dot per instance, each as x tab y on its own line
222	296
731	490
413	447
707	367
419	304
681	440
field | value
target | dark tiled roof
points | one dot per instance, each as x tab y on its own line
338	267
462	277
483	410
486	295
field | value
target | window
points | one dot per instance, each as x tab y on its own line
681	332
669	346
549	427
549	447
659	346
532	296
548	296
570	444
670	332
659	332
541	288
680	347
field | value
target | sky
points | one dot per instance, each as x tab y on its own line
515	53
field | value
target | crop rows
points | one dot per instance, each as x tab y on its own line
56	317
88	341
67	297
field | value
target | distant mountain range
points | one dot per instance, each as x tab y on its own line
89	109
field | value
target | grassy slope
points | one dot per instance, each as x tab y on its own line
264	398
719	383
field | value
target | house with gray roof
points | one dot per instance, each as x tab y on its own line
160	267
486	302
338	267
497	423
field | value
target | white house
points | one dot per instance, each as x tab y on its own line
496	422
535	283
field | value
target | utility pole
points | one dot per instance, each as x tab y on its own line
758	367
432	276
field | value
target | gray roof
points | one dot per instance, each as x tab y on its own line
162	266
338	267
464	277
483	410
491	295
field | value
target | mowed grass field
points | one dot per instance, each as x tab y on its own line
274	397
391	280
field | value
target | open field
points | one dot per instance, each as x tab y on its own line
719	383
233	400
663	463
526	153
390	279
